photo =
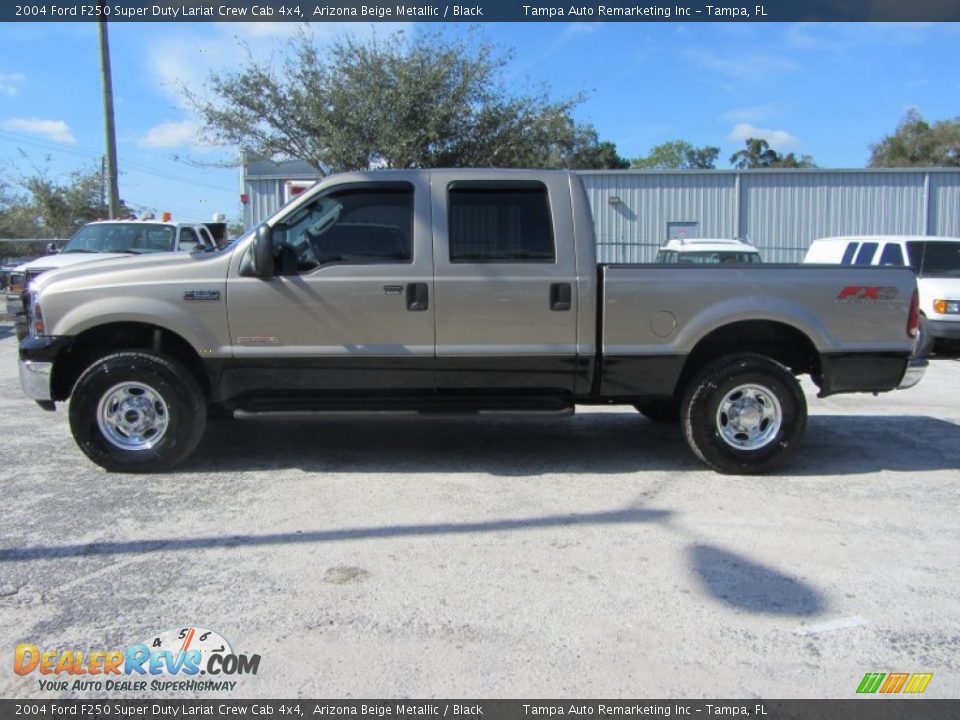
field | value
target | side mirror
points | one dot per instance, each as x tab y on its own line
263	264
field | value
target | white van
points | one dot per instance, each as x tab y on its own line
936	261
707	251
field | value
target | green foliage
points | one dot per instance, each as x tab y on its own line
678	155
759	154
916	143
400	102
49	208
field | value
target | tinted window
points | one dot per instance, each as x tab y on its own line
849	253
500	222
891	255
934	258
865	256
356	226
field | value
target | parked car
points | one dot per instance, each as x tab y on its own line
936	260
106	239
439	291
700	251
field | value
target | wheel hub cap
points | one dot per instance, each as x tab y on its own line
132	416
749	417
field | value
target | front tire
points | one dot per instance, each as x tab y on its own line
137	412
744	414
924	340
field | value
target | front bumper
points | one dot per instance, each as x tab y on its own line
916	367
945	329
35	380
37	357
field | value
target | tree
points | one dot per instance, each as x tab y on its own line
678	155
50	208
64	207
17	216
759	154
916	143
396	103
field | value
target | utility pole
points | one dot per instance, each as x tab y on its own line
108	127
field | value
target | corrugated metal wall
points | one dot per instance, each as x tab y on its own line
785	212
779	211
944	210
632	229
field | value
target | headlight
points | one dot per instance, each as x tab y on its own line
947	307
35	322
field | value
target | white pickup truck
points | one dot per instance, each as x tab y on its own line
453	291
108	239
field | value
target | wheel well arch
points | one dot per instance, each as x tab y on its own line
102	340
784	343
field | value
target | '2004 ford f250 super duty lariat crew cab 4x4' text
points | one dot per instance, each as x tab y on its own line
431	291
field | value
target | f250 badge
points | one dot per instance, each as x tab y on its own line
202	295
867	294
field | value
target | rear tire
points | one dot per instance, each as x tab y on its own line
137	412
744	414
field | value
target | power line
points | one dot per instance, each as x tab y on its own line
133	165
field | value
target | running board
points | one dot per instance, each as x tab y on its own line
546	411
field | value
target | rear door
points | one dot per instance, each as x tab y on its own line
351	307
505	275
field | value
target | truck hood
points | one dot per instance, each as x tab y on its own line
108	268
52	262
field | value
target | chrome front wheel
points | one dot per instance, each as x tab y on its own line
132	416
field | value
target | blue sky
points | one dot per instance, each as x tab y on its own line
828	90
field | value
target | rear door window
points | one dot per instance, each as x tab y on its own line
500	222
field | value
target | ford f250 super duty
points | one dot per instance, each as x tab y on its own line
435	291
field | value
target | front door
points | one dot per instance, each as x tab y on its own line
351	306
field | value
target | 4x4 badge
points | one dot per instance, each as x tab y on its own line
202	295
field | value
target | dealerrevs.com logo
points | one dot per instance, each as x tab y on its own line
893	683
173	660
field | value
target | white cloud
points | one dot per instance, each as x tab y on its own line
10	83
260	30
186	59
170	134
847	36
776	138
740	66
752	113
56	130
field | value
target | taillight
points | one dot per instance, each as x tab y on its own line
913	318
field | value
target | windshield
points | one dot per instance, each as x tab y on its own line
934	258
132	237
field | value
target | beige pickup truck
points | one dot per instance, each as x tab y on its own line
453	291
